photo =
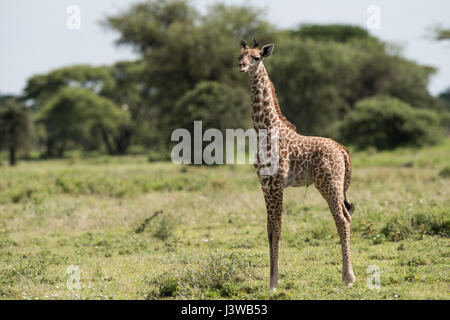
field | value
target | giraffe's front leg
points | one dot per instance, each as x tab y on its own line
274	204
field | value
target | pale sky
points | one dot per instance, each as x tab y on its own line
34	36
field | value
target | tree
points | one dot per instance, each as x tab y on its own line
385	123
79	117
216	104
333	32
130	92
181	48
40	88
319	81
445	97
146	25
313	86
16	127
121	82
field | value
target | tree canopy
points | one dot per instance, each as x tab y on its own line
333	32
230	106
77	116
319	82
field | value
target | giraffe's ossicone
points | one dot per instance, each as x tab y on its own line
303	160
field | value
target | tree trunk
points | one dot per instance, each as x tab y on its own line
60	151
122	142
12	156
108	144
50	152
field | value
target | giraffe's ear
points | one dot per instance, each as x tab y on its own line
266	50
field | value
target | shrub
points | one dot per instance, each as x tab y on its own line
165	228
418	225
431	225
445	172
395	230
219	272
167	286
386	123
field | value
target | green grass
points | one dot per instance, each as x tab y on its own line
210	239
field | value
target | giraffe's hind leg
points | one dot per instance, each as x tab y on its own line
343	222
342	219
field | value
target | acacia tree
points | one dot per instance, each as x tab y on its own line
40	88
321	72
216	104
79	117
181	47
120	83
16	128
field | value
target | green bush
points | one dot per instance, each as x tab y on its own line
445	172
418	225
165	228
386	123
431	225
219	272
167	286
396	230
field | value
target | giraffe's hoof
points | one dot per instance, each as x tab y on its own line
273	283
349	279
349	284
273	287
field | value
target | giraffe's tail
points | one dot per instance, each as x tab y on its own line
346	211
347	179
349	206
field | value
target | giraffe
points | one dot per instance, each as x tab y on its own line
302	161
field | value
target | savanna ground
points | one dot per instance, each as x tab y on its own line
210	240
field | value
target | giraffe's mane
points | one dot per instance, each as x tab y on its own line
278	109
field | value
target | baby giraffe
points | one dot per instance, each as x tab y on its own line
302	161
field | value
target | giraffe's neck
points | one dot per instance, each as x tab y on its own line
264	112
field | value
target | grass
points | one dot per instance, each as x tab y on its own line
209	240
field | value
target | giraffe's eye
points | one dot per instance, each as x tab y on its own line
256	58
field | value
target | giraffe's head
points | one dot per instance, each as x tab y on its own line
250	58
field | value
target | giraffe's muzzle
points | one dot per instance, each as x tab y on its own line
242	67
